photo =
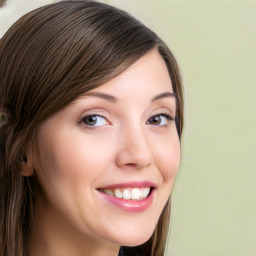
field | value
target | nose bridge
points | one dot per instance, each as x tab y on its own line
136	138
134	149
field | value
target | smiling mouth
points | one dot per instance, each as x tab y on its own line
128	193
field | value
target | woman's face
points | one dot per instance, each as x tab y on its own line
108	160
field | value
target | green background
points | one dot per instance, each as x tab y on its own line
214	198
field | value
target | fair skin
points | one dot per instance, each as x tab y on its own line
119	136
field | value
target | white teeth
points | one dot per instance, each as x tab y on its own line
136	194
118	193
145	192
128	193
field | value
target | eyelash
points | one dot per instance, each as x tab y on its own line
166	115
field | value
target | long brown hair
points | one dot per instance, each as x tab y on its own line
48	58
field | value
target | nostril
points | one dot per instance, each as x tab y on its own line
131	164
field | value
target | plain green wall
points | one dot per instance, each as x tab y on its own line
214	199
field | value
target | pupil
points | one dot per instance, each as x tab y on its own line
90	120
156	120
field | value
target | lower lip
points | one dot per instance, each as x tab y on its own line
130	205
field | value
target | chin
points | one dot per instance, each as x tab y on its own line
136	242
136	239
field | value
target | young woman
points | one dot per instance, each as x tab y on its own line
91	120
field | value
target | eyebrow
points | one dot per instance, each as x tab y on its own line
102	95
113	99
164	95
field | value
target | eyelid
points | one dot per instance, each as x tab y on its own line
165	110
80	119
165	114
94	112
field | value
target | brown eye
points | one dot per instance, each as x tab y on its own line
160	119
155	120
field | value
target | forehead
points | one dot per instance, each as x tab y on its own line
147	74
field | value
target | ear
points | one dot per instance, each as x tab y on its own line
26	163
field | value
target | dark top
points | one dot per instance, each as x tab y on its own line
128	251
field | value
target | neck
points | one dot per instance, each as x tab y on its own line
53	235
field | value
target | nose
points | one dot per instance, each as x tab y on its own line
134	149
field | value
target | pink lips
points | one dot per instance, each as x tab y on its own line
131	205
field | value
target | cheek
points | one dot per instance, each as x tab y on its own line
168	160
64	164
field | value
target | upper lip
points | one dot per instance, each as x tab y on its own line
134	184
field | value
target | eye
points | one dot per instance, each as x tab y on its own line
94	120
160	119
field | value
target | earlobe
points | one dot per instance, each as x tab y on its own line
26	163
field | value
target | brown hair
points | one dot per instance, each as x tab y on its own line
48	58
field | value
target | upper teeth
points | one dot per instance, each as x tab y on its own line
134	193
